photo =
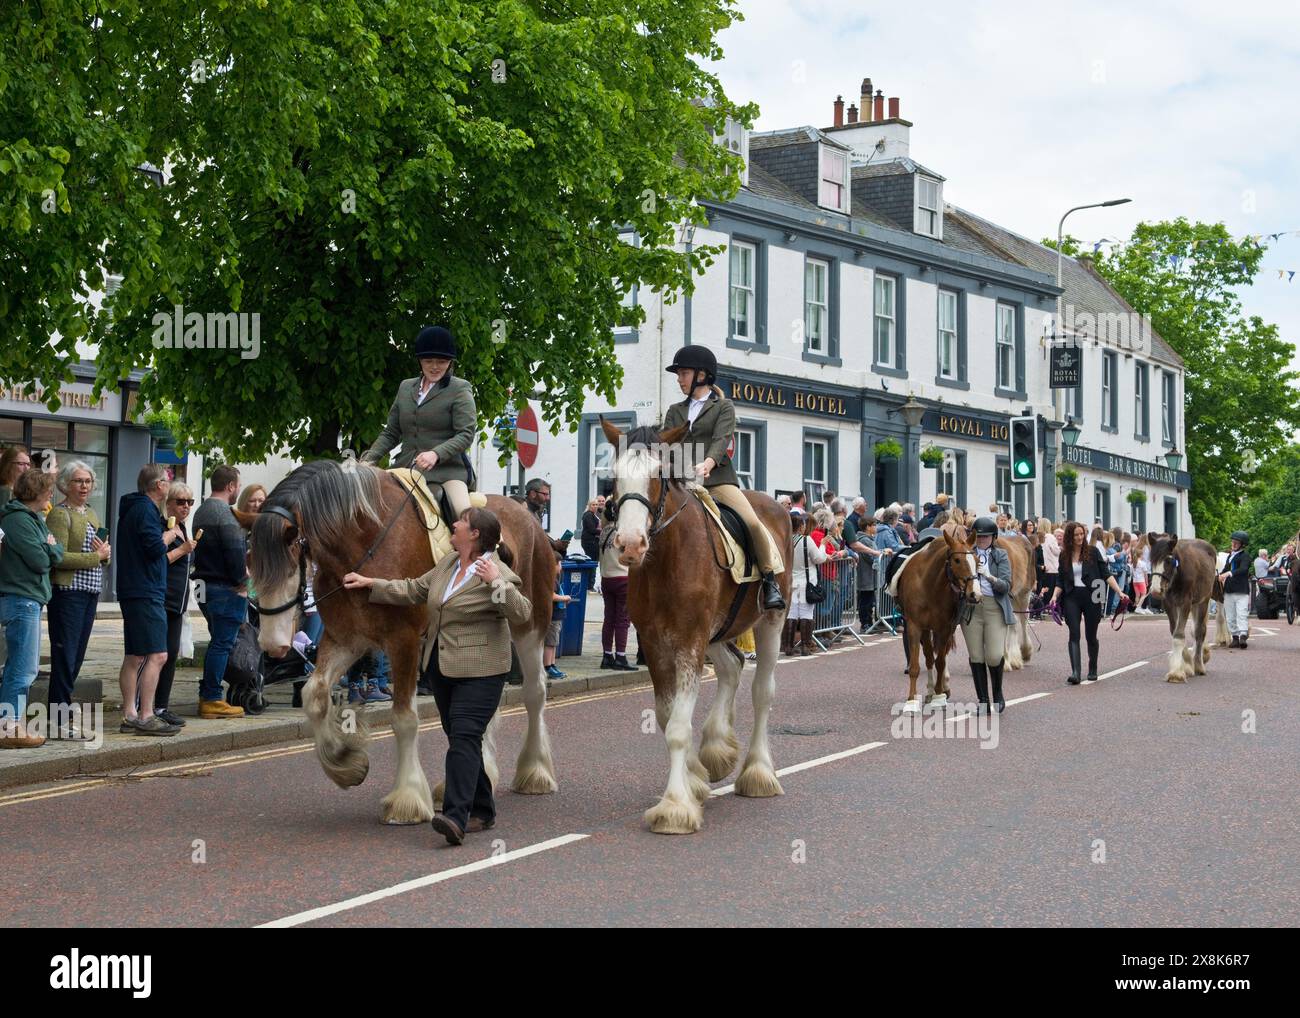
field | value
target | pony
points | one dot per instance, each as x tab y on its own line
1184	578
1023	576
325	520
685	608
930	588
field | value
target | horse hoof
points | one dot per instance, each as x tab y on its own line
404	808
911	707
941	700
720	758
758	781
1175	677
537	780
668	816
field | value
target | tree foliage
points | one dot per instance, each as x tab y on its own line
352	171
1241	404
1272	517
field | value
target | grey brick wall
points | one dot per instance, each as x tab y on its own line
892	196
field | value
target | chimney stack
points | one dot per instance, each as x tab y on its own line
853	114
839	111
864	100
893	109
879	111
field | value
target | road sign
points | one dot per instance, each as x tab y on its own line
526	435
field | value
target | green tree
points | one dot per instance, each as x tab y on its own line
1241	404
350	172
1272	517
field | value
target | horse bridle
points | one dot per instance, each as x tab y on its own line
304	550
953	582
657	523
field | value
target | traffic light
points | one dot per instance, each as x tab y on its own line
1024	449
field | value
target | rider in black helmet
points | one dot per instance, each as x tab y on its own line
985	631
710	419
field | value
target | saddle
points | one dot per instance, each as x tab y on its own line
435	508
899	557
738	547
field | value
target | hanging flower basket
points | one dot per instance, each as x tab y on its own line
932	457
1136	497
888	450
1068	479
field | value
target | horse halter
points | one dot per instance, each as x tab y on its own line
301	544
657	523
958	586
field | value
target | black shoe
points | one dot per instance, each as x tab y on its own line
995	679
1092	674
607	662
448	828
1075	658
169	717
1243	643
979	672
1236	641
770	593
621	663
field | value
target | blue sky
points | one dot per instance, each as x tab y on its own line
1030	108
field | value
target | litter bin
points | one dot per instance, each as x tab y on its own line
573	581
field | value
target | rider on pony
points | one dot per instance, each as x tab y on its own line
710	419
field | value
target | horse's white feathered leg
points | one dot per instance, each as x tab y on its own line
410	801
678	811
535	769
758	776
719	747
339	732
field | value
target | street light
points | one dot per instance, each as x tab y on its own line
1174	458
1070	433
911	411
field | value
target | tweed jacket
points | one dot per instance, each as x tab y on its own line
444	423
68	526
472	629
708	436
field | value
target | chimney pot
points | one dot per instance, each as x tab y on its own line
865	99
853	114
879	113
839	111
893	109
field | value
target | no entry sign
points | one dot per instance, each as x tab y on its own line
526	436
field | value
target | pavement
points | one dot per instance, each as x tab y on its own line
280	723
1125	802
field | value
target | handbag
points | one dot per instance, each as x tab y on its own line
814	592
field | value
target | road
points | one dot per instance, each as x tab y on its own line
1129	801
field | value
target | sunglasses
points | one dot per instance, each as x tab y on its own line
183	501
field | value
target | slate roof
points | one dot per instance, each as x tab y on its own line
900	165
1085	289
792	136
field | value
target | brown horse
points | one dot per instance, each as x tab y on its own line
685	607
929	589
323	521
1023	575
1184	579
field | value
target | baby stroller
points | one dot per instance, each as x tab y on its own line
249	671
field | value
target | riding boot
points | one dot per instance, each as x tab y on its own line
1243	641
805	638
995	678
1236	641
1093	648
1075	658
770	593
981	676
787	636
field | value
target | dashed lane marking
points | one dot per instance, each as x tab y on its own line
807	765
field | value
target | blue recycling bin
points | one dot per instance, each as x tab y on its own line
573	581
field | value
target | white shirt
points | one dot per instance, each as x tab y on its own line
982	558
1078	574
422	392
453	586
695	409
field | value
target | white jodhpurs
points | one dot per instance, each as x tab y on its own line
1237	607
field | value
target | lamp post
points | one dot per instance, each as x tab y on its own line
912	411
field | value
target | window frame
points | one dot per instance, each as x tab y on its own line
954	374
826	155
1110	392
1168	409
757	294
1002	344
923	210
831	441
1101	490
1141	401
811	267
891	318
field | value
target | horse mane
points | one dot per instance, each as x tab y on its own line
326	499
648	436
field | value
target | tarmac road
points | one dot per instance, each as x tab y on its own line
1129	801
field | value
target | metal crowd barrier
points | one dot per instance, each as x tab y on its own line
836	614
888	618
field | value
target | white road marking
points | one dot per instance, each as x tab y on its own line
1119	671
807	765
426	881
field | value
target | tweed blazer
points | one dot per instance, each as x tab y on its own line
708	436
444	423
472	629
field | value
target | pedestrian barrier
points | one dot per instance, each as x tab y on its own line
836	614
888	618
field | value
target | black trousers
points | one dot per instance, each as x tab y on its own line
866	607
71	614
465	706
1078	604
163	697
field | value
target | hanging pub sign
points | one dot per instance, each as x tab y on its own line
1067	367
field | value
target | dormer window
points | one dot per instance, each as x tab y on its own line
735	139
833	186
929	207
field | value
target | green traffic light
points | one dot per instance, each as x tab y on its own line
1022	468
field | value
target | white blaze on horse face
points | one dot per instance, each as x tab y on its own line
975	578
632	472
1157	578
276	632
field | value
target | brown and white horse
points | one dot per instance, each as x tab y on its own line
1184	578
341	520
680	601
930	588
1023	575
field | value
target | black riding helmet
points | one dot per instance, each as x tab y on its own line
434	341
696	358
986	525
1242	536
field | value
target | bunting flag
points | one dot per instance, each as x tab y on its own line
1175	261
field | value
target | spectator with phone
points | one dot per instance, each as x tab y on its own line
180	501
77	583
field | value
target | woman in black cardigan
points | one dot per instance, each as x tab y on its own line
1083	578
